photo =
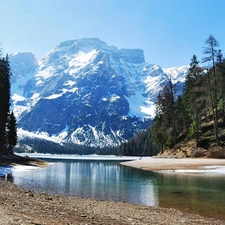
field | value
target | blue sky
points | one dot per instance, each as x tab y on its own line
169	31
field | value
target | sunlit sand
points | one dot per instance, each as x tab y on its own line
182	165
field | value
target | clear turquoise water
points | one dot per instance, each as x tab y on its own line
108	180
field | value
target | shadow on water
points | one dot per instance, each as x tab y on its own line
202	195
108	180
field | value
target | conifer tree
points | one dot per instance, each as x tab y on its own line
7	120
158	130
220	70
193	97
164	124
4	101
181	116
211	52
11	133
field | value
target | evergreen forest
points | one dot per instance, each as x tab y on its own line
197	114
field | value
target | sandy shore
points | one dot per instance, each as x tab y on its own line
160	164
21	206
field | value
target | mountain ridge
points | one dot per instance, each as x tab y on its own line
86	92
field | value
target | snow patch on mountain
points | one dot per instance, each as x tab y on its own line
177	74
86	92
138	105
43	135
22	68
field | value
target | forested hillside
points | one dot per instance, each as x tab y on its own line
198	114
32	145
140	145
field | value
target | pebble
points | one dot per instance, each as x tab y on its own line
44	209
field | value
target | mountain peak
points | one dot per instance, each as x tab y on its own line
177	73
85	44
87	92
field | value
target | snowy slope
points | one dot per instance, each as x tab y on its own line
86	92
177	74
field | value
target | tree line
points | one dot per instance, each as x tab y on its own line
8	131
199	112
38	145
140	145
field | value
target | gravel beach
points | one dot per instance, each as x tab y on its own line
22	206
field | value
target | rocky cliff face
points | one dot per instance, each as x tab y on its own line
86	92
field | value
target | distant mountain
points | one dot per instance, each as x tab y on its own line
86	92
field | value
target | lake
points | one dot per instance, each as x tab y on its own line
108	180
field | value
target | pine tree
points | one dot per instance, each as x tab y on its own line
181	116
158	130
8	136
172	106
4	101
193	98
211	53
11	133
164	124
220	70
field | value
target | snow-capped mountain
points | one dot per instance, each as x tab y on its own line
177	76
86	92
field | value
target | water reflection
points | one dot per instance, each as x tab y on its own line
202	195
104	180
7	177
108	180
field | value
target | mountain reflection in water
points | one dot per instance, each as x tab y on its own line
108	180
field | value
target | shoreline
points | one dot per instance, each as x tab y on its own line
16	160
184	165
22	206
